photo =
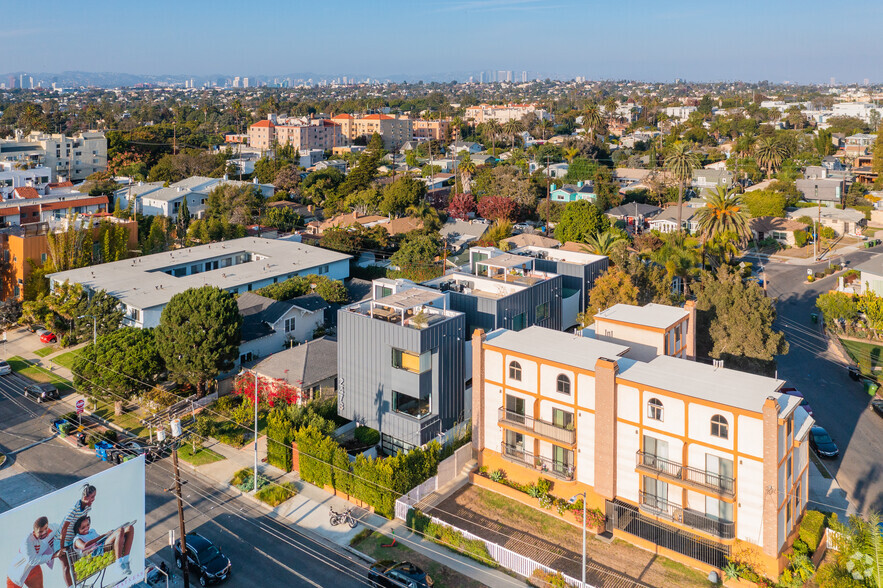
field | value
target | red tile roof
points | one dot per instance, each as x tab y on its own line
26	192
67	184
342	116
263	124
9	211
377	117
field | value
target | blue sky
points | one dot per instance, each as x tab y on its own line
749	40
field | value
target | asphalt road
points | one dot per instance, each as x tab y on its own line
264	552
839	403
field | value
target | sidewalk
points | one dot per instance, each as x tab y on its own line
826	494
309	511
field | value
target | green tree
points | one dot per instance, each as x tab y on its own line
680	163
770	153
287	178
580	169
361	176
860	550
603	243
592	120
466	169
416	258
70	248
615	286
877	161
492	129
183	216
723	213
735	323
402	194
579	220
836	306
122	364
158	239
280	217
512	128
199	334
764	203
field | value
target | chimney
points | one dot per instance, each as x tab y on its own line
478	407
824	172
770	522
553	187
605	427
579	184
690	335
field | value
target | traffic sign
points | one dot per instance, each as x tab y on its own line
81	405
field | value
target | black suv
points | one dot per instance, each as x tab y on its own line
204	558
389	574
41	392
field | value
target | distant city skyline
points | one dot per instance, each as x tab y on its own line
455	39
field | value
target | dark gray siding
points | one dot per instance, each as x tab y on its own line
575	276
500	313
367	378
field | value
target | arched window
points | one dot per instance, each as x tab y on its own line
720	427
563	385
515	371
654	409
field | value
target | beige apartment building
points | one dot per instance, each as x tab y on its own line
503	113
395	131
74	158
694	462
437	130
317	134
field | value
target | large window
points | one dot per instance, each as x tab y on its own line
415	407
720	510
406	360
515	371
542	311
563	385
720	427
562	419
515	409
654	409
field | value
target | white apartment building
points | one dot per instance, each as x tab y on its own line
75	158
12	177
679	112
503	114
154	199
694	462
860	110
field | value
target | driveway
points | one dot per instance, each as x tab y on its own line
814	367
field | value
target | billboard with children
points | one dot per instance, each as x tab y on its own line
90	533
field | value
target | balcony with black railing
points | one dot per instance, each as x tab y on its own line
544	465
685	475
691	518
560	434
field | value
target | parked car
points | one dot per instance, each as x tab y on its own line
390	574
5	368
41	392
46	336
204	558
877	406
821	443
799	394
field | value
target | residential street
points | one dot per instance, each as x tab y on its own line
263	551
816	369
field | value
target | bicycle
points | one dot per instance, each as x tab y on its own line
342	517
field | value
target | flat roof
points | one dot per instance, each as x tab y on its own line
719	385
557	346
507	260
872	266
410	298
659	316
141	282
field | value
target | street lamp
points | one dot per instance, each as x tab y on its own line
242	372
573	501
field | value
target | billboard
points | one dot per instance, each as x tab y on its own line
90	533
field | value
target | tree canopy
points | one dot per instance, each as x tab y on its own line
120	365
579	220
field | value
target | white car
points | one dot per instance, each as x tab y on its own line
5	368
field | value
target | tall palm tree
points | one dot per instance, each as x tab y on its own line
678	260
493	128
467	170
592	119
723	212
603	243
545	126
512	128
425	213
570	153
770	152
681	162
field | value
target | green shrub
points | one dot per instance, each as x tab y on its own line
812	527
543	579
800	546
544	486
800	238
367	436
497	475
240	477
453	540
276	494
280	434
226	404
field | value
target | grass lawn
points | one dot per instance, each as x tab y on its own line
66	359
228	432
369	542
201	457
866	355
128	420
45	351
38	374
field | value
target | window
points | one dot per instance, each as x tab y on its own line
514	444
42	258
289	325
718	509
654	409
519	322
563	385
406	360
515	371
562	419
515	409
542	311
415	407
719	427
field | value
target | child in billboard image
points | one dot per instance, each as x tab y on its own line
81	508
36	549
89	542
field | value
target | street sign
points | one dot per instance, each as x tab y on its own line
81	405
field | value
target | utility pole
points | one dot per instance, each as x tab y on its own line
548	194
184	568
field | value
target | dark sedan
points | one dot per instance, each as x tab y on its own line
204	558
390	574
822	443
877	406
41	392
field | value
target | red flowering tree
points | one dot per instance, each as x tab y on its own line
497	208
270	390
461	205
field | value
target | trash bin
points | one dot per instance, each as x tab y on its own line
815	317
871	387
854	373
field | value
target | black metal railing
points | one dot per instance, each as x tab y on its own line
673	469
557	433
517	453
691	518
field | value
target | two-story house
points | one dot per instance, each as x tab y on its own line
696	463
269	326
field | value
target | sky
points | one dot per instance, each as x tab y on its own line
750	40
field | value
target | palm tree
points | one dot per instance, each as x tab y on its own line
603	243
770	153
678	260
493	128
512	128
426	213
723	212
570	153
467	170
592	119
681	162
545	126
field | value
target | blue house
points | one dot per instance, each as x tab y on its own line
572	193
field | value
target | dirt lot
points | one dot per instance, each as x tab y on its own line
442	576
558	544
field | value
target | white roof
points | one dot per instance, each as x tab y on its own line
142	283
557	346
659	316
719	385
